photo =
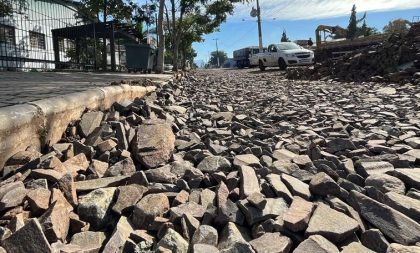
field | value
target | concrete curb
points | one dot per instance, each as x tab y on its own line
19	128
44	121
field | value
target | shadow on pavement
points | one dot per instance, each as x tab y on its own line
257	71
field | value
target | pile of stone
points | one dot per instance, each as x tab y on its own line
225	162
396	60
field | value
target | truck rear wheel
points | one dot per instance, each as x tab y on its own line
261	65
282	64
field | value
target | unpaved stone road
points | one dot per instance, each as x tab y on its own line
227	161
305	105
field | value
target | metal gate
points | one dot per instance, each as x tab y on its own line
53	34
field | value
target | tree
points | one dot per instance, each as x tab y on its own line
6	7
188	55
366	31
188	20
214	55
353	30
193	34
119	11
91	10
371	31
284	37
397	26
161	46
363	29
352	27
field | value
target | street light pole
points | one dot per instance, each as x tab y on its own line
217	53
259	27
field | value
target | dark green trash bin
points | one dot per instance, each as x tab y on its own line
140	58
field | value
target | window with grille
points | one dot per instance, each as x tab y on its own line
71	45
61	45
65	45
37	40
7	34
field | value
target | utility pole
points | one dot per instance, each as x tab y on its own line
259	27
217	53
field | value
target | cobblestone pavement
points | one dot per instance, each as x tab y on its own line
227	161
22	87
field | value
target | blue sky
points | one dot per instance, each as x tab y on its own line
299	18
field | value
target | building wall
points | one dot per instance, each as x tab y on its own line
40	16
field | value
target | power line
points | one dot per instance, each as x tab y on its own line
263	20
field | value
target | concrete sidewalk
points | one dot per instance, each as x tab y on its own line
22	87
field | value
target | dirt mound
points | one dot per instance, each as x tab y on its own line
395	60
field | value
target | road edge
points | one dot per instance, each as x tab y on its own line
44	121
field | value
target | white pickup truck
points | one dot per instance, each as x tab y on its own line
283	55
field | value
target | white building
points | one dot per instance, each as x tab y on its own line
25	37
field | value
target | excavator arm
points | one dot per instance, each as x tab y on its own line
330	29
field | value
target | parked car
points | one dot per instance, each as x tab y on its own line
168	67
242	57
283	55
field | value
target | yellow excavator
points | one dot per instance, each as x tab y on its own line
337	30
